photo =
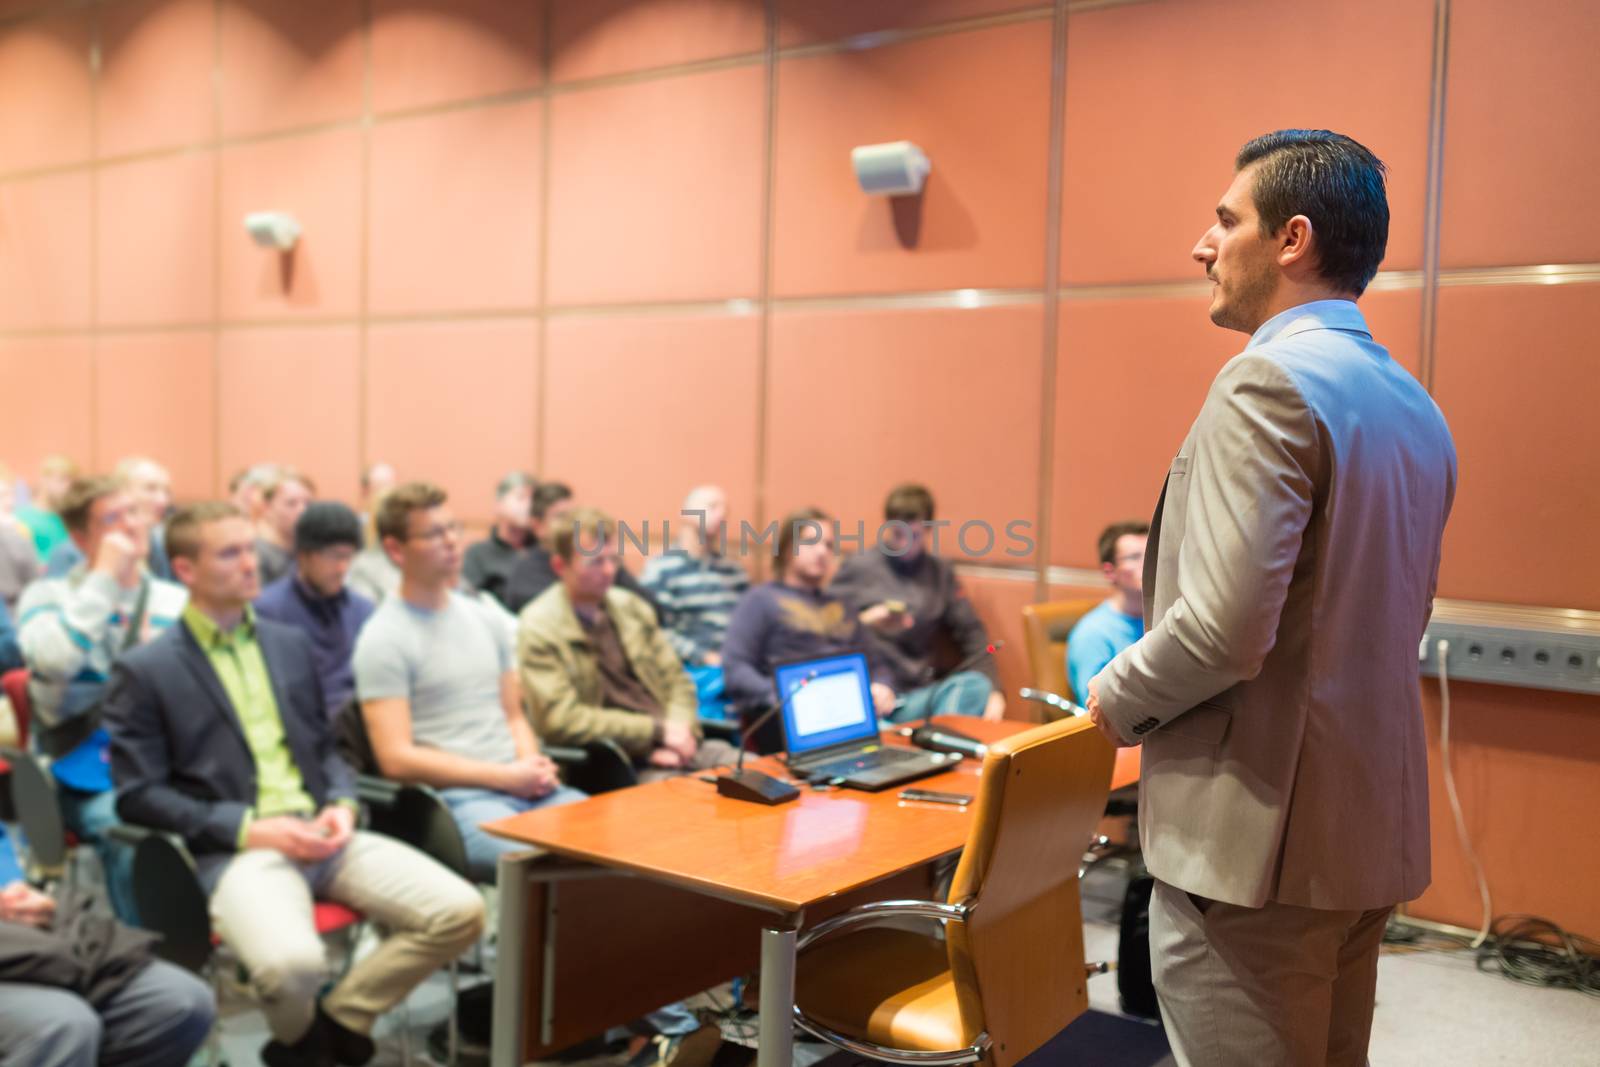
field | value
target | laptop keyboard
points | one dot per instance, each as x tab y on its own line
882	757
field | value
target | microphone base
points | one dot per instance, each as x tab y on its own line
755	787
939	739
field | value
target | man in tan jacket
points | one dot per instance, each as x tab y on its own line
1289	575
596	664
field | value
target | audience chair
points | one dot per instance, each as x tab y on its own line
1009	972
1045	627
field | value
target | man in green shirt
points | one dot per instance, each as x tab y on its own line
219	734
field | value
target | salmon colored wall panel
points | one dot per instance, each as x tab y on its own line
155	76
1515	376
455	211
286	65
455	403
45	251
1523	104
317	179
999	603
155	395
1395	319
811	21
655	189
1160	96
978	103
155	254
54	374
46	120
860	401
433	51
1130	378
642	409
1527	769
594	38
289	395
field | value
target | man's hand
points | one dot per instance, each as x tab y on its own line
882	699
665	757
1098	717
886	620
302	840
712	659
21	903
119	557
680	739
529	777
337	824
994	709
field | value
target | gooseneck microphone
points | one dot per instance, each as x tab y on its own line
755	786
939	739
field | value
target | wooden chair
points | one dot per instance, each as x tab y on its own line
1009	973
1045	628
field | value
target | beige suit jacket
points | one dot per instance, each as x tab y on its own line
1288	578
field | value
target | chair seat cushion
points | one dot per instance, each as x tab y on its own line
328	916
889	986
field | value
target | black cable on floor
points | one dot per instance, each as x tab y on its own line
1537	952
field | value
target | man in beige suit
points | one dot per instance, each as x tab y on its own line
1289	575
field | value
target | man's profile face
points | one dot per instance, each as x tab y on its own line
1125	572
284	509
432	548
814	558
114	513
511	507
1239	259
223	571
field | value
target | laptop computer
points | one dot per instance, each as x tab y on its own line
831	731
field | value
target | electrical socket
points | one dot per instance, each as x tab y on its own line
1562	659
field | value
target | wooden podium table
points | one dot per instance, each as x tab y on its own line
653	893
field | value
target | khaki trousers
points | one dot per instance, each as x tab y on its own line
262	908
1270	986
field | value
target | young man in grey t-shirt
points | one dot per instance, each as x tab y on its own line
438	686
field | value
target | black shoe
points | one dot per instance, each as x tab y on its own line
311	1050
348	1046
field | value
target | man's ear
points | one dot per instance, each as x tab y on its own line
1109	570
392	548
183	569
1295	240
558	565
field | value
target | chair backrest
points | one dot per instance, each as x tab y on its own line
15	686
1018	959
1045	627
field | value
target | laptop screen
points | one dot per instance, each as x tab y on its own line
828	701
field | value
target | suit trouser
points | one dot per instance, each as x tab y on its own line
262	907
1269	986
157	1020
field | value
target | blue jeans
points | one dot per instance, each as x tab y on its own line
91	816
473	806
960	694
157	1020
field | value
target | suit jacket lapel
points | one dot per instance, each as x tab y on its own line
199	664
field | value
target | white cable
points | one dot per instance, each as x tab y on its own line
1442	648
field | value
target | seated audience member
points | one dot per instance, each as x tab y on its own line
376	480
373	574
908	599
219	735
1118	621
19	560
438	685
314	598
534	573
282	501
10	650
246	487
72	629
489	563
132	1011
39	514
795	617
596	664
151	488
695	584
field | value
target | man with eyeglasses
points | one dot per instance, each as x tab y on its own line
1119	620
438	684
71	630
